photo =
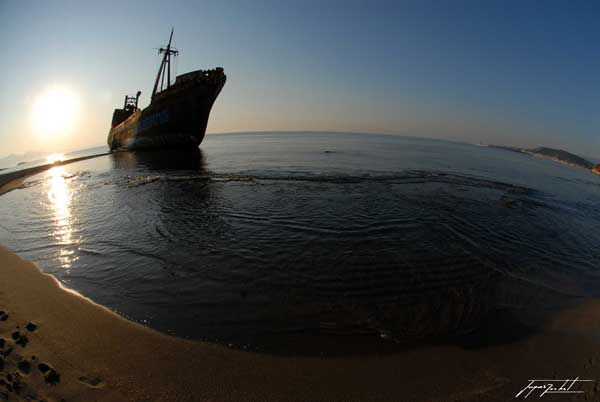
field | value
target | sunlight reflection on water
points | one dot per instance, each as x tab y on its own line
60	194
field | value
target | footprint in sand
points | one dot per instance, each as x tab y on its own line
31	327
24	366
7	352
20	339
92	382
51	376
12	383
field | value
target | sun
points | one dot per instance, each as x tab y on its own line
55	112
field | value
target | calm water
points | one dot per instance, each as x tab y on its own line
264	236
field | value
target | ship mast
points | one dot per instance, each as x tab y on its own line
165	66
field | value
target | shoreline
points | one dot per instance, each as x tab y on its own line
12	180
101	356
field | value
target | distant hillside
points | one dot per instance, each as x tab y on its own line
506	148
557	155
561	156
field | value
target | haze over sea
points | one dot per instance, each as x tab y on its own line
260	238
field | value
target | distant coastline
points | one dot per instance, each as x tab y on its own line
557	155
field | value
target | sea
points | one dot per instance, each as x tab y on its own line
274	241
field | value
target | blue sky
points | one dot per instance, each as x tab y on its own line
516	73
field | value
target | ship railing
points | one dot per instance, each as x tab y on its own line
212	75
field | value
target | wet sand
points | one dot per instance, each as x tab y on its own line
79	351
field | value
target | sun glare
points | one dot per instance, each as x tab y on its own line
59	195
55	158
55	112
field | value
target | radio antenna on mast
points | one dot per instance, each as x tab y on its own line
165	66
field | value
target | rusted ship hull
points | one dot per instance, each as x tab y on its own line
176	117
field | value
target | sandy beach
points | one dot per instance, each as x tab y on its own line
79	351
